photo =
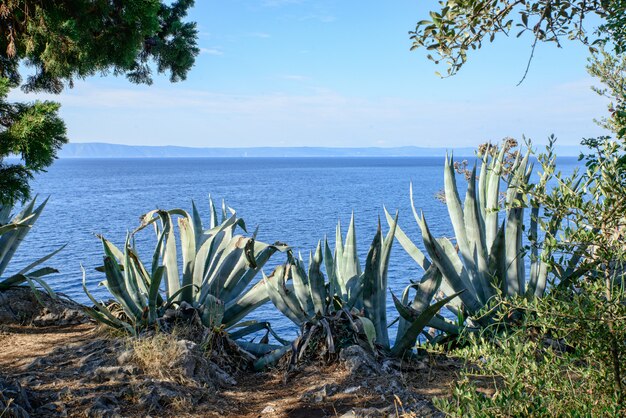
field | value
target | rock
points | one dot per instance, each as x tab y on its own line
112	373
105	406
319	395
14	400
125	357
52	409
197	367
157	396
269	409
370	413
19	305
352	389
358	361
188	360
222	378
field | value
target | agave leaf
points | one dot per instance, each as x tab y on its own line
173	299
116	285
534	250
329	263
203	259
514	284
492	206
426	289
245	303
257	349
235	272
10	241
350	266
406	243
453	203
271	358
317	288
218	250
41	260
407	340
287	293
141	273
263	255
440	323
447	261
197	225
154	298
101	313
213	214
231	258
9	227
188	250
482	187
252	327
338	262
131	279
212	312
301	285
44	285
372	289
415	215
274	291
224	211
424	293
497	260
356	291
476	243
170	256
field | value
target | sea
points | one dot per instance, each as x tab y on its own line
297	201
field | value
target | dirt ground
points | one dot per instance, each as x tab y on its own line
51	364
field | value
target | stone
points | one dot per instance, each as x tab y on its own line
197	367
319	395
112	373
358	361
157	396
269	409
351	389
125	357
14	399
19	305
105	406
56	409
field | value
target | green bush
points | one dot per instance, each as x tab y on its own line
560	361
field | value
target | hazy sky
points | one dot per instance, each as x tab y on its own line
336	73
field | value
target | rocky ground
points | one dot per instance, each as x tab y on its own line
55	362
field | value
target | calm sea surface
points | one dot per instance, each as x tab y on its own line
293	200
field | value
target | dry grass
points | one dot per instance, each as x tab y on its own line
156	356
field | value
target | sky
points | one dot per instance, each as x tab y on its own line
336	73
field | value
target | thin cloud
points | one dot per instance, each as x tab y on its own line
296	77
280	3
211	51
262	35
322	117
324	18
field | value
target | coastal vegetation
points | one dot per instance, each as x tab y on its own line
529	296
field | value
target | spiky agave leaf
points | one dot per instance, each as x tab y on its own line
418	320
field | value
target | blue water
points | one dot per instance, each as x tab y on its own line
293	200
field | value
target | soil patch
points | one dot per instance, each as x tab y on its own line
81	370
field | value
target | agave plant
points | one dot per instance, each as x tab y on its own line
13	231
218	267
356	294
489	255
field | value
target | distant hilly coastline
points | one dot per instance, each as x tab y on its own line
104	150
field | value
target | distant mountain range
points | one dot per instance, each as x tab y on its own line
103	150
